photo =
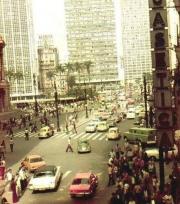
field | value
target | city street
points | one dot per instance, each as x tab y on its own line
53	152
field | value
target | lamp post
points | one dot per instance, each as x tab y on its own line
85	93
35	96
145	101
56	105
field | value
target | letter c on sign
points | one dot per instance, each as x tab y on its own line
157	2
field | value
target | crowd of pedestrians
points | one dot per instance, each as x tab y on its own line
15	183
136	178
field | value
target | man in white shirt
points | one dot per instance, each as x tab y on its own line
69	147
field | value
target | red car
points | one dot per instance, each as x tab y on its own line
84	184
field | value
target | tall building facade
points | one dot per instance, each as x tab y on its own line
16	27
91	36
48	61
136	39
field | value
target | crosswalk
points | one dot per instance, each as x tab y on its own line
99	136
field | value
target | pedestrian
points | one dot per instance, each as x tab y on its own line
67	128
110	175
74	125
14	192
11	134
3	144
11	144
69	147
26	134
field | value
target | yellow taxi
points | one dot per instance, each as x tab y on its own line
46	132
33	162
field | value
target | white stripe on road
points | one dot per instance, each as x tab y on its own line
66	174
79	135
98	135
85	135
102	137
92	135
57	135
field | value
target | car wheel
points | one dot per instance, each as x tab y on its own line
72	196
48	135
52	133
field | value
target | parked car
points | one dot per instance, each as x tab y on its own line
33	162
83	146
96	121
143	135
91	127
111	122
84	184
153	152
102	126
45	178
46	132
113	133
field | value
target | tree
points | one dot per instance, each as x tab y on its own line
69	68
78	68
50	76
87	66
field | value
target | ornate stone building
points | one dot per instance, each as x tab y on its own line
4	85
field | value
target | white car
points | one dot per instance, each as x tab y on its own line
45	178
113	133
153	152
102	126
130	114
96	121
91	127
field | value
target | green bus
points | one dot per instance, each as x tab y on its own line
139	134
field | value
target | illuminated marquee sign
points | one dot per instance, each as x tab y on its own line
160	64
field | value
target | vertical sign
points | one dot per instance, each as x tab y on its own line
160	65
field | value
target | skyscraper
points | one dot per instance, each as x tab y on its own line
91	36
135	38
16	27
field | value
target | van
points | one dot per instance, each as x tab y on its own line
143	135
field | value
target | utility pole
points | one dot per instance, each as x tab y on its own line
85	93
35	96
145	100
56	105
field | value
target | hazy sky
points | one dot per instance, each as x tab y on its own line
49	19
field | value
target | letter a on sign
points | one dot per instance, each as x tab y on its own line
158	23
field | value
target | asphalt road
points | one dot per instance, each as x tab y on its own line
53	152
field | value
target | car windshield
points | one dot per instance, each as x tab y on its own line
90	125
44	173
34	160
112	131
79	181
43	130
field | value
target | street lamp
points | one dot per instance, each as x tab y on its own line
85	92
56	104
35	96
145	100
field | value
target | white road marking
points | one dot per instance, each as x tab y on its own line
79	135
85	135
66	174
98	135
92	135
102	137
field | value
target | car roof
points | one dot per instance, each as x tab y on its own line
83	140
46	168
143	129
83	175
113	128
34	156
